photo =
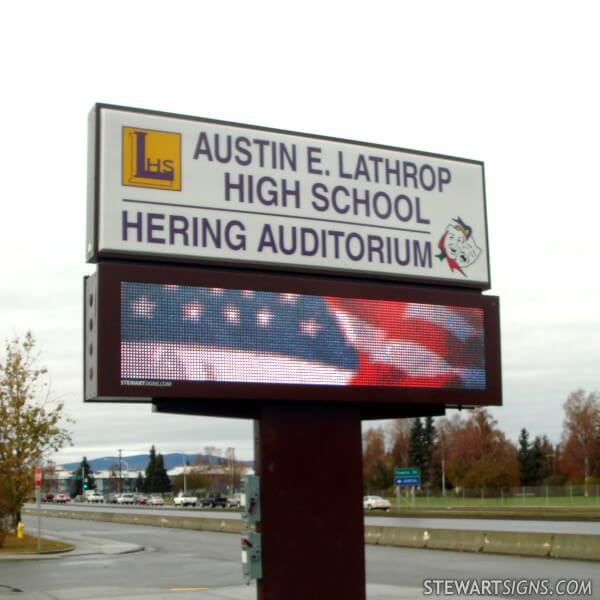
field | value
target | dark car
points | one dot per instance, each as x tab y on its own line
214	501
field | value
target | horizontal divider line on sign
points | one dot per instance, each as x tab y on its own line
267	214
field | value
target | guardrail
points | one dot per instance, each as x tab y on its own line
554	545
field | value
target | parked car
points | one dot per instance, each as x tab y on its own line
61	498
125	499
234	501
141	499
185	500
47	497
214	501
376	503
113	498
156	500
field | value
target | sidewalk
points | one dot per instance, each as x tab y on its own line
374	592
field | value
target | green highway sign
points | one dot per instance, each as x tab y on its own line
407	476
407	472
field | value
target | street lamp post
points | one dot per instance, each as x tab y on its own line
121	462
443	463
231	457
126	469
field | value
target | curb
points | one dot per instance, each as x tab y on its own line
559	545
35	555
80	545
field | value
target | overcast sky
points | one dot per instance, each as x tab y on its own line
513	84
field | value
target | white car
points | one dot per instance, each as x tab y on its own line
95	497
184	500
155	500
125	499
234	501
376	503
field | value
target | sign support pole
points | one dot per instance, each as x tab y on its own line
39	474
38	497
309	459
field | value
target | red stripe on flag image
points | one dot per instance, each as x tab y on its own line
413	345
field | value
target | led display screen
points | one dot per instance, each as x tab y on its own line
200	335
183	333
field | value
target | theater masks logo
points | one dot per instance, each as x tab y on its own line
457	246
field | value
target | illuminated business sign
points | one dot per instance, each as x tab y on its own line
184	332
188	189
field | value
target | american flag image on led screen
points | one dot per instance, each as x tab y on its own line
184	333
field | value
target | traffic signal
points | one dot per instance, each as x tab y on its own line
85	484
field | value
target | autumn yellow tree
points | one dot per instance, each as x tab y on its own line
378	470
478	453
31	424
399	432
580	457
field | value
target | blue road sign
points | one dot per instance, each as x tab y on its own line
407	476
408	480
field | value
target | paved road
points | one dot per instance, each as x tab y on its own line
591	527
179	559
581	527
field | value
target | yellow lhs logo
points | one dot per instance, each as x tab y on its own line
151	159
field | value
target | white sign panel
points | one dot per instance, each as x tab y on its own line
184	188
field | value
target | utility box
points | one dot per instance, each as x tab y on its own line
251	556
250	499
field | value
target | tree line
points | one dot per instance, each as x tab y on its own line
470	451
155	478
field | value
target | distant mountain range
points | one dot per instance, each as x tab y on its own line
139	462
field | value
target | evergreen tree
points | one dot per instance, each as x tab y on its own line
83	470
537	460
163	483
428	447
156	480
527	460
150	479
417	445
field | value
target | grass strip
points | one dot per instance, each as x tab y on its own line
29	545
530	514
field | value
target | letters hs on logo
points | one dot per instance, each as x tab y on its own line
151	159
